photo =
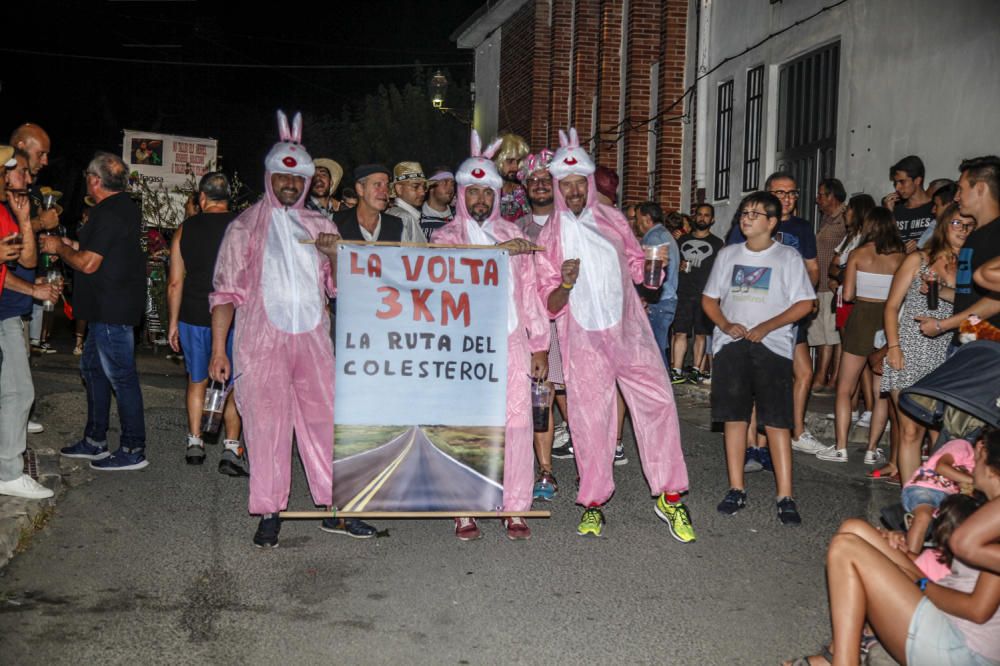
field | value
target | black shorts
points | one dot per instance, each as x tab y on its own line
802	332
745	373
691	318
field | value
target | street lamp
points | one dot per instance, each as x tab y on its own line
439	87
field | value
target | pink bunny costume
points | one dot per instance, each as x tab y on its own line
605	337
283	357
527	322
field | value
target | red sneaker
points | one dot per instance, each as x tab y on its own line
517	528
466	529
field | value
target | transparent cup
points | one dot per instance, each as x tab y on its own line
211	413
48	201
52	277
541	404
652	274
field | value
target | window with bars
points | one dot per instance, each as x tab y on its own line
723	139
753	127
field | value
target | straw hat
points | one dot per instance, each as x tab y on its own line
7	155
336	171
404	172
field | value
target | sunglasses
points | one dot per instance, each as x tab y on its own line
964	226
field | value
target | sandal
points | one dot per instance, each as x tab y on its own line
882	475
824	653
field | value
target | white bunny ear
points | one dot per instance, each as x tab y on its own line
574	139
297	128
491	149
563	141
475	144
283	132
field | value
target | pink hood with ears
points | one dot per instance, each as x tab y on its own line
478	170
288	156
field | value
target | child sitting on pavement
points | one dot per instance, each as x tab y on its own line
947	472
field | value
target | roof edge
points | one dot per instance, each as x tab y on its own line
490	16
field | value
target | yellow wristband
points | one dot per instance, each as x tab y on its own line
566	286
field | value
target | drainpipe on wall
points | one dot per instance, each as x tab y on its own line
704	33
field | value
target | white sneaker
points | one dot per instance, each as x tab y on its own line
874	457
25	486
806	443
833	454
35	428
865	421
560	435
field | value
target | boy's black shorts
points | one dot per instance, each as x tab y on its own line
691	318
745	373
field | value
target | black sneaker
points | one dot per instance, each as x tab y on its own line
267	531
351	527
564	451
788	513
677	376
732	502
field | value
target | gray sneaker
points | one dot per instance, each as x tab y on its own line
195	452
234	462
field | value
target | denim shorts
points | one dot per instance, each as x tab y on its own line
196	344
916	495
932	640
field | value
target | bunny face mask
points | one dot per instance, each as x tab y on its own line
289	157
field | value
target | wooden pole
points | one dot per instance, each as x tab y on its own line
312	241
414	514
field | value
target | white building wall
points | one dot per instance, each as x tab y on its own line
486	112
916	77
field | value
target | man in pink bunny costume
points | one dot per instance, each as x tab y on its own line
586	276
478	222
277	287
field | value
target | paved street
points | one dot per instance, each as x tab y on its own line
156	567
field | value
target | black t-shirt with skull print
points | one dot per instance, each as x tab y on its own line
700	254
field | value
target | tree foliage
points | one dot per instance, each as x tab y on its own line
389	126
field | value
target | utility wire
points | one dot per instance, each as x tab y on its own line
231	65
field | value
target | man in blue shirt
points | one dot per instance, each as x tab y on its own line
663	302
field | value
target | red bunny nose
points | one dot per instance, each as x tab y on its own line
570	160
290	162
478	173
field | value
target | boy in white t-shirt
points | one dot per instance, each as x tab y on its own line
755	293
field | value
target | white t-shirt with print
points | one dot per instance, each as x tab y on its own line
753	287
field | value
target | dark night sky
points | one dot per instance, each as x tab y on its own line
85	103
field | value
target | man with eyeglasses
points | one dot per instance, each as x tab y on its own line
796	233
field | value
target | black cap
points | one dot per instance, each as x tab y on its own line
366	170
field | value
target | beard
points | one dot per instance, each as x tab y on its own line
545	201
511	177
480	216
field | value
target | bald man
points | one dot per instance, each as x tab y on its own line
35	143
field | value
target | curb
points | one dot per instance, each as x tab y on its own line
20	517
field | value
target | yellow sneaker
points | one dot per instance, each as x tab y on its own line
676	517
592	522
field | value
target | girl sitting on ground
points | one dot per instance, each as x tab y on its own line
947	472
953	621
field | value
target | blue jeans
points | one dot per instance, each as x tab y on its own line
108	362
661	316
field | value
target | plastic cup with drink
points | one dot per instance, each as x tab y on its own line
541	404
656	261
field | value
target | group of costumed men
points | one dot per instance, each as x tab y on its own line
274	289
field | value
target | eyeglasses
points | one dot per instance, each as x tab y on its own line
964	226
781	194
753	215
539	181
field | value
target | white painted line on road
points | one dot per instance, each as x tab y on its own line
459	463
361	499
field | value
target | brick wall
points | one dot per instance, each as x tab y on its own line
517	50
537	97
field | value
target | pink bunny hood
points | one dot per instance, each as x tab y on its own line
572	160
288	156
478	170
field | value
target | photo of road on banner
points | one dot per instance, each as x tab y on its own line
421	347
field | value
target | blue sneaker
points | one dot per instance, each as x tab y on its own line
545	486
764	457
752	462
122	460
85	450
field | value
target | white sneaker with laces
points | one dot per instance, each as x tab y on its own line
34	428
560	435
25	486
806	443
874	457
833	454
865	421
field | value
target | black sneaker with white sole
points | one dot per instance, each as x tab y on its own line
788	513
267	531
734	500
564	451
